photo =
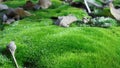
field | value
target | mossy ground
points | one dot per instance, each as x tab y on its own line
40	44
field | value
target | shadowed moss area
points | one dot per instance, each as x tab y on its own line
40	44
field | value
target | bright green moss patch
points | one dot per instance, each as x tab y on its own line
40	44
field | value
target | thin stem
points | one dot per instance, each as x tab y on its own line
14	58
86	4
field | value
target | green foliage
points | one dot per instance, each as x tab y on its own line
40	44
103	12
103	20
5	62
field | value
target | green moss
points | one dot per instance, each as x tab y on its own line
40	44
